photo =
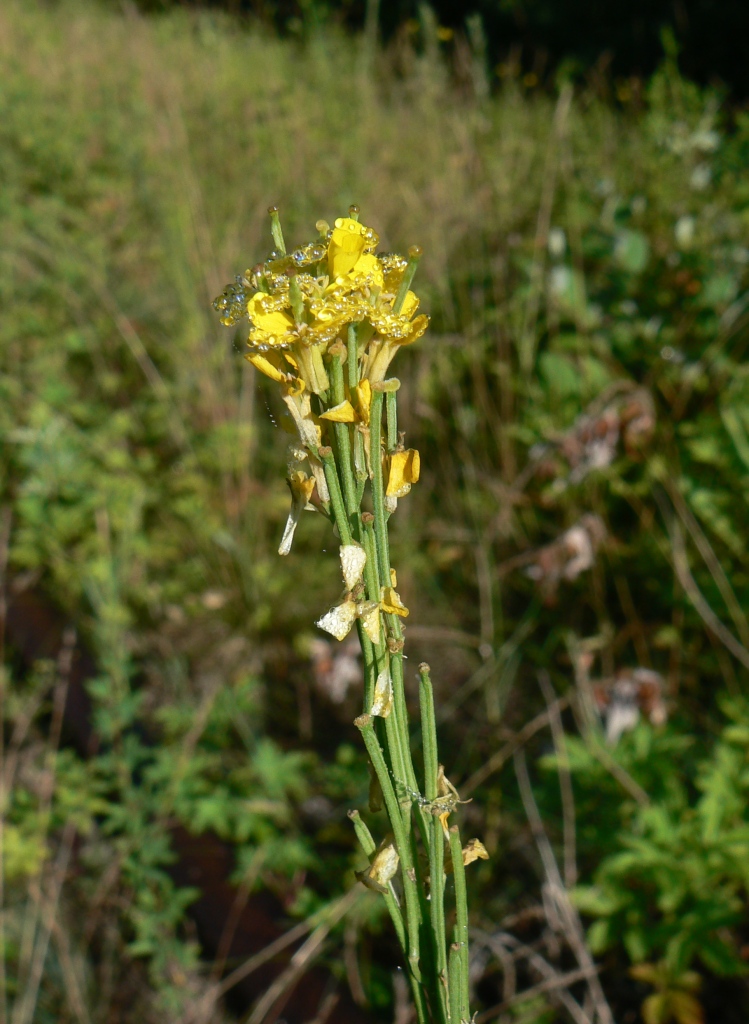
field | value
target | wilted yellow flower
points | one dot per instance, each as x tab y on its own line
474	850
390	602
301	484
369	613
272	364
339	620
353	560
393	331
343	413
403	470
382	869
382	704
364	400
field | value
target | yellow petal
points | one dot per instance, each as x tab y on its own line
363	393
474	850
368	271
301	485
418	327
346	246
342	413
403	471
393	578
269	364
390	602
382	704
267	322
410	305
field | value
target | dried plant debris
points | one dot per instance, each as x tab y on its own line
568	556
596	438
623	700
336	667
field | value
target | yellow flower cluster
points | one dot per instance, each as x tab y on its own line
330	303
303	302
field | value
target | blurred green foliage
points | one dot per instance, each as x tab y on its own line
587	275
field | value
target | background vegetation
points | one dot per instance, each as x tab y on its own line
611	41
574	557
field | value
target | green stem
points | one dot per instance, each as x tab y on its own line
352	359
343	445
436	845
369	846
461	919
437	908
454	984
414	255
371	573
378	488
401	710
428	732
370	665
336	498
413	911
391	417
275	230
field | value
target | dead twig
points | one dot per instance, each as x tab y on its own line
705	548
547	985
497	943
496	761
565	780
271	1004
573	928
333	911
693	592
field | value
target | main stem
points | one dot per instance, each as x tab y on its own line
439	985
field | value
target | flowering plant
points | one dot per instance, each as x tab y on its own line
326	321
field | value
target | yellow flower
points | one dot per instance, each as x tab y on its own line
403	470
274	327
345	412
